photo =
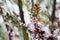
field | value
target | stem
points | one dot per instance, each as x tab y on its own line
21	11
53	12
32	5
32	2
25	35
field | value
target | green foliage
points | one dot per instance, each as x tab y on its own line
13	19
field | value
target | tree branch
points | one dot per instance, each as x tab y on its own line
53	11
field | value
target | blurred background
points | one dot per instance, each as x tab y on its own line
29	19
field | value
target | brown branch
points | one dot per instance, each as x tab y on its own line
53	11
